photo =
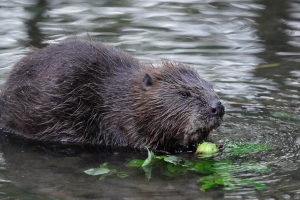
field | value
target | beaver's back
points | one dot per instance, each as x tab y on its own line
55	93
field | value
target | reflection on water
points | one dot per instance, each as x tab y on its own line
248	49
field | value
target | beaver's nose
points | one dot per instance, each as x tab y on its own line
217	108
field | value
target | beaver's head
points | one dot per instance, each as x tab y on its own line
176	107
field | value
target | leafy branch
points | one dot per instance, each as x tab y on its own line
213	173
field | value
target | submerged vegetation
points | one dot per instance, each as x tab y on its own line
212	172
286	116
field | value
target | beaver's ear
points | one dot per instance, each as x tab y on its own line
147	81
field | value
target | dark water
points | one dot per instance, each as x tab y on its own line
249	50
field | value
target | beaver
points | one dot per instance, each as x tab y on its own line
89	93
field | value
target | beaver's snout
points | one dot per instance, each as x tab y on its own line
217	109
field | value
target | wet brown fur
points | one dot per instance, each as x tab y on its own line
86	92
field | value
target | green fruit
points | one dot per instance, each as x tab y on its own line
207	148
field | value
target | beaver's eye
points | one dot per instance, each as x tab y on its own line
185	94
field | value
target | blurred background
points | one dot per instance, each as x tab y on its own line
248	49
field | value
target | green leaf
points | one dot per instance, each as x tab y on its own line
173	159
122	174
216	179
176	168
200	168
251	167
189	164
240	148
223	166
206	186
160	157
135	163
286	116
103	165
207	182
97	171
257	185
149	159
205	167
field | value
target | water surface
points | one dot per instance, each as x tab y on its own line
249	50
